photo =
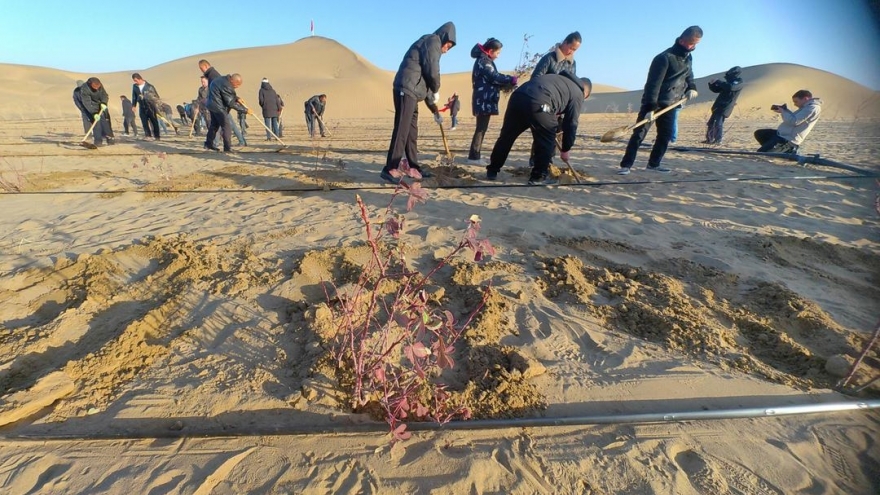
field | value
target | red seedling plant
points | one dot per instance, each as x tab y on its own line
396	339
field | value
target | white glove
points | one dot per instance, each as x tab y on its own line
435	97
691	94
438	118
649	116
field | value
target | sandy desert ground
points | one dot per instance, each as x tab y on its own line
158	326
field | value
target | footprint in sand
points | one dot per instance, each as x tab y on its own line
709	475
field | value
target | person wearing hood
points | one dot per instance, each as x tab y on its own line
487	83
94	101
560	57
314	110
670	79
271	105
540	105
417	78
795	126
728	91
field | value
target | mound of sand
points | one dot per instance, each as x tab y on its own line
764	85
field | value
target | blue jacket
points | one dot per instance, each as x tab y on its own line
487	82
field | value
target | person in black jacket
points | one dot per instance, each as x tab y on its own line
77	100
270	102
417	78
128	120
94	101
728	91
560	58
670	79
487	83
145	97
313	109
538	105
221	99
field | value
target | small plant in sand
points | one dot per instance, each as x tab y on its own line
11	178
526	64
393	340
160	166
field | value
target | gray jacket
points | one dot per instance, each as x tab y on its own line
554	62
796	125
419	72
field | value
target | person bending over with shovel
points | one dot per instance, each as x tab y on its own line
536	105
222	99
94	101
314	110
418	78
670	83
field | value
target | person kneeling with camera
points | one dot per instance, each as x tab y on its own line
795	127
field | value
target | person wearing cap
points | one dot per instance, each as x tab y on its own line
487	83
417	78
540	105
271	104
670	79
728	91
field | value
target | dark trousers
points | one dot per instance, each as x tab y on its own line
405	136
715	130
149	120
771	141
129	122
87	120
310	124
219	121
523	113
102	129
479	134
665	124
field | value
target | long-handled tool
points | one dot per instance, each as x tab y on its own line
323	125
450	158
192	124
622	131
570	168
86	144
283	144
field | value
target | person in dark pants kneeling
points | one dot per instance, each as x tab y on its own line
538	105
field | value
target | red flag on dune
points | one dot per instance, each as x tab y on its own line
312	27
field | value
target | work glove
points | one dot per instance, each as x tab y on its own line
649	116
435	97
103	108
564	155
438	118
97	116
691	94
513	80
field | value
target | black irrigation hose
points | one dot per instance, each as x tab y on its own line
465	186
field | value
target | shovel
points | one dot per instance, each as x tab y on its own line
284	145
622	131
192	124
86	144
450	158
570	168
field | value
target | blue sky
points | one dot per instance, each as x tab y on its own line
620	37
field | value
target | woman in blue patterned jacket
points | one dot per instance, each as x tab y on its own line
487	82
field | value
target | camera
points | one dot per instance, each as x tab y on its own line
776	107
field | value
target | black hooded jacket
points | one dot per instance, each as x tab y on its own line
92	99
269	101
728	91
562	94
670	76
211	74
222	97
419	72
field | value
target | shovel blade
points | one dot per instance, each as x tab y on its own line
88	145
615	133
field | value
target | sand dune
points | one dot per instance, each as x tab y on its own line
764	85
358	89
